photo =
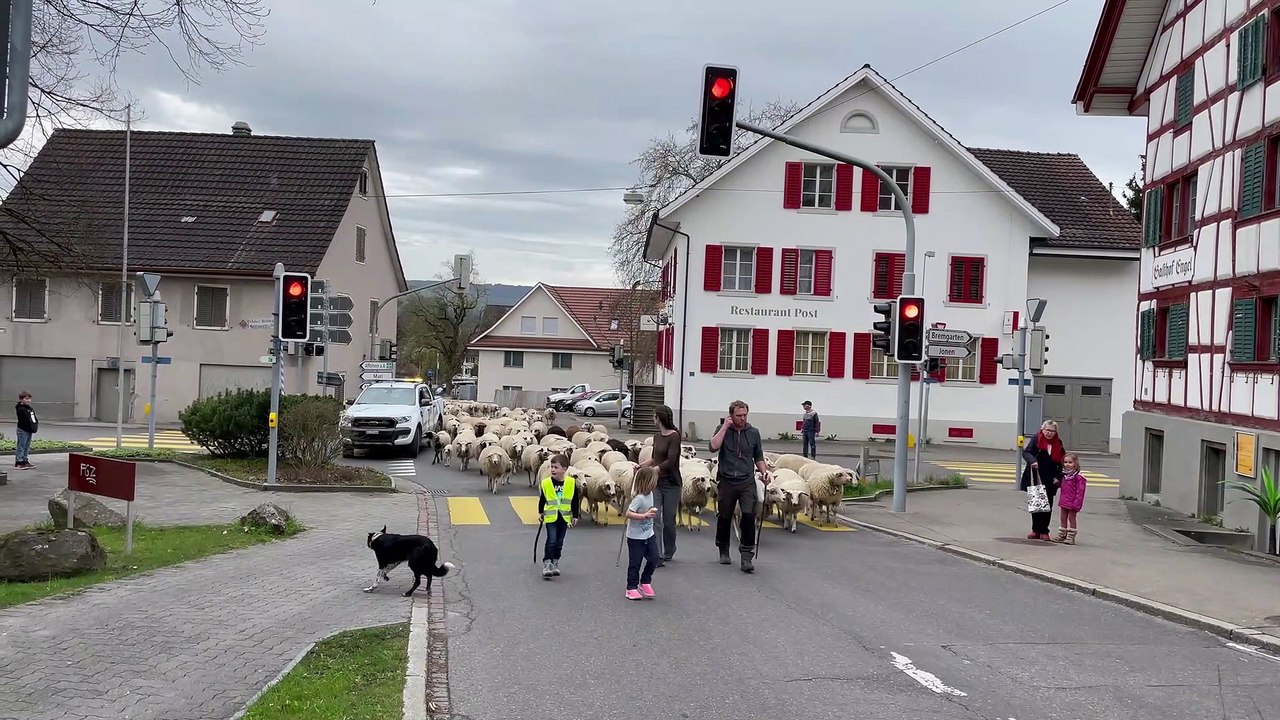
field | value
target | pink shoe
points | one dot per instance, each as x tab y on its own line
647	590
634	595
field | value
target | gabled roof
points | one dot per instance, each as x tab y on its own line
195	199
591	309
1113	69
906	106
1066	190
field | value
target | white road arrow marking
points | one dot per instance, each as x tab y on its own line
927	679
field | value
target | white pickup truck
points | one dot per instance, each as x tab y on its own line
393	414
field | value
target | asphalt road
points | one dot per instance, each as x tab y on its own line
831	625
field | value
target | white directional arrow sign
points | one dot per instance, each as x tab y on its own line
939	336
949	351
378	365
377	375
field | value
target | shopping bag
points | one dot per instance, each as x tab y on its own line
1037	496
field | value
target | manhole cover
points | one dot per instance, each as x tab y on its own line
437	491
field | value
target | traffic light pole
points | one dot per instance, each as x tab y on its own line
18	77
908	288
1022	398
373	326
273	443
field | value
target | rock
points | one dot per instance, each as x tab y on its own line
90	512
29	555
269	516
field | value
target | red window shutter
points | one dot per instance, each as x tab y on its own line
671	348
967	280
710	350
791	186
675	263
836	354
989	352
861	356
920	180
870	192
713	267
886	278
915	373
662	347
790	271
899	269
786	353
822	261
844	187
764	270
760	351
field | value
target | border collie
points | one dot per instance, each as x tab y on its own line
417	551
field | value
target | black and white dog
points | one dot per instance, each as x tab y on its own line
417	551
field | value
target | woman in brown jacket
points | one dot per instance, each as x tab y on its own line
666	456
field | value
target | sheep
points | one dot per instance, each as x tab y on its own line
598	488
550	440
539	429
598	448
633	449
696	490
618	445
514	446
555	430
648	442
624	475
442	444
549	415
588	427
495	463
599	436
646	454
533	457
795	496
791	462
826	487
687	450
572	430
462	444
614	457
581	438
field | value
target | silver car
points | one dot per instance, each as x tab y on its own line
604	403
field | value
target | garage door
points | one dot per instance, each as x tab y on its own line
223	378
1082	408
51	382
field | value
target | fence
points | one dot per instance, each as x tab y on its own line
521	398
465	392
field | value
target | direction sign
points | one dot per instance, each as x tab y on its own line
949	351
341	303
319	286
378	365
329	379
377	375
337	336
336	319
940	336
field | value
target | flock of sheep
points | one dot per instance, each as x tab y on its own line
501	441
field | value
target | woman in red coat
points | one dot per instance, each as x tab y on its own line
1044	456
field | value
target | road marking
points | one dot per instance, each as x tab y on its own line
1253	651
1007	473
467	511
526	509
402	468
927	679
167	439
817	525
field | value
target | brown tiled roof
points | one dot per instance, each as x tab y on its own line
593	308
1062	187
73	192
521	342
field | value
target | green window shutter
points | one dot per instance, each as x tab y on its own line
1147	334
1252	168
1250	50
1244	315
1154	209
1258	45
1185	97
1176	334
1275	330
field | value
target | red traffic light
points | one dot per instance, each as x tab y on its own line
910	311
721	87
296	289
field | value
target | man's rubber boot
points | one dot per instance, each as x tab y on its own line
747	554
724	556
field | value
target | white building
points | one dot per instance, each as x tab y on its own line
1207	77
555	338
773	263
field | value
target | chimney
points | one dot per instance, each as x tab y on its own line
241	128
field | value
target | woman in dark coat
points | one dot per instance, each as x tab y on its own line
1044	455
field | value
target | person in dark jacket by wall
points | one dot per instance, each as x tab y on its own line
741	454
1043	455
809	428
28	424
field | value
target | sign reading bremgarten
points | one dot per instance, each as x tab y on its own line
741	310
1172	268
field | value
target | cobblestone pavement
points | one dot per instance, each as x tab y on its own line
200	639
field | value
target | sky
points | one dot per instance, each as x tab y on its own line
497	96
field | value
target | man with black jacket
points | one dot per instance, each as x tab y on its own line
741	453
28	424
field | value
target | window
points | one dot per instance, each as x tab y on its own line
1162	332
811	353
886	275
212	307
513	388
109	311
528	325
964	369
902	178
967	280
373	312
735	350
550	326
361	238
804	276
819	186
1254	332
1184	98
1169	210
1182	193
738	269
1250	51
30	299
561	361
364	182
513	359
883	367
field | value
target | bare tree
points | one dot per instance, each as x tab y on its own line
627	308
444	320
668	167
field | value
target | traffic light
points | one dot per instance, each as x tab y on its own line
1037	353
908	331
719	99
882	330
295	307
933	365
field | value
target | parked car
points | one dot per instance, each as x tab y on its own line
604	402
393	414
564	402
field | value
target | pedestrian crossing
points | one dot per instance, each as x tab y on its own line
497	510
400	468
1007	473
166	439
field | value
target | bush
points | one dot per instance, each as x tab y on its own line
309	435
230	424
127	453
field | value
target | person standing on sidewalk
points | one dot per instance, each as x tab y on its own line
28	424
1071	499
666	457
809	429
741	453
1044	456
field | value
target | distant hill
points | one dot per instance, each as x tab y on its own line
497	294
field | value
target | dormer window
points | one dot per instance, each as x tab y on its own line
267	217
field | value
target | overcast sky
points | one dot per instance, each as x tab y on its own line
495	95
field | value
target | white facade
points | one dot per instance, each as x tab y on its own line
971	219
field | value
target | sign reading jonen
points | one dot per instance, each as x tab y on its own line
1172	268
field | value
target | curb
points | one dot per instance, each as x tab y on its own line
1221	628
281	487
426	688
49	451
875	497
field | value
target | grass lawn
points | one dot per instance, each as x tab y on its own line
255	470
152	548
875	486
355	675
8	446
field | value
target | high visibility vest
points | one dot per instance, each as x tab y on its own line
557	507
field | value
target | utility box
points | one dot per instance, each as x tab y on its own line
1033	414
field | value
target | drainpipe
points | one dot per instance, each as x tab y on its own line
684	322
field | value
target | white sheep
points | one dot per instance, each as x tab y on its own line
598	489
599	435
514	446
649	441
791	462
646	454
688	451
826	488
533	457
696	491
462	444
624	476
598	448
614	457
539	429
581	438
795	496
495	463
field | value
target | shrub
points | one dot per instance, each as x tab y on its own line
309	435
229	424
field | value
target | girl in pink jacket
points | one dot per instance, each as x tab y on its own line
1070	498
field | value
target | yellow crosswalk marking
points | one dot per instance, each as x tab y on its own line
802	520
166	439
1006	473
467	511
526	509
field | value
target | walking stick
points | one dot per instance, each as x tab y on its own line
535	541
621	541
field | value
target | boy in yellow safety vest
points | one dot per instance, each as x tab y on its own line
559	506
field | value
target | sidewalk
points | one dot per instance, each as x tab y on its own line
1224	592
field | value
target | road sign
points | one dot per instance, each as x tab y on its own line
334	336
330	379
146	360
431	374
378	365
939	336
267	359
377	375
101	476
147	283
336	319
319	286
949	351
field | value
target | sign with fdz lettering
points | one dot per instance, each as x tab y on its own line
101	476
1173	268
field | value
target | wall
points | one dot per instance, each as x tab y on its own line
540	305
537	373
